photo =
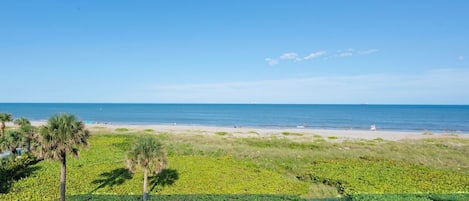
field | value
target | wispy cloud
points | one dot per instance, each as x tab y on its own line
314	55
460	58
370	51
294	57
271	62
351	52
345	54
289	55
445	86
337	54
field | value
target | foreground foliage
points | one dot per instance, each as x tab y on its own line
105	170
216	197
372	175
63	135
221	167
146	153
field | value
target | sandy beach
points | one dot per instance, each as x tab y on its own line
297	133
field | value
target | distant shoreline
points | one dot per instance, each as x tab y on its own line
408	118
297	133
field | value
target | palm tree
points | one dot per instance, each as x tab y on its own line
148	154
27	129
12	140
63	134
4	117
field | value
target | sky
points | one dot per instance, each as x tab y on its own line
243	51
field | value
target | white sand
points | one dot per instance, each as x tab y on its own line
265	132
262	132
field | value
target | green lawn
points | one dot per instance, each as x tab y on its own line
227	168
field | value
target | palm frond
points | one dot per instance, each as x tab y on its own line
147	152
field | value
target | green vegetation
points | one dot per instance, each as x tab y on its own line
291	134
4	117
203	167
222	133
63	135
186	174
122	129
332	137
147	154
371	175
149	130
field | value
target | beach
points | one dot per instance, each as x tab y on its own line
292	133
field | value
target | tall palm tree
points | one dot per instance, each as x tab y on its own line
27	129
148	154
63	134
4	117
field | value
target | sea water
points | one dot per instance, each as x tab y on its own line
437	118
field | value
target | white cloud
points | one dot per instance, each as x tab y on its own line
345	54
289	55
338	54
314	55
346	50
460	58
370	51
351	52
271	62
445	86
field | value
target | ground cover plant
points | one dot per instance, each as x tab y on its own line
202	167
102	170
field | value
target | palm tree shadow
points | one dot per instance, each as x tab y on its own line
112	178
8	177
166	177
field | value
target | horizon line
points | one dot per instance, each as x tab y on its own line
243	103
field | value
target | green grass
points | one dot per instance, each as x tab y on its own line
222	133
105	172
260	197
188	197
228	168
122	129
148	130
292	134
332	137
367	175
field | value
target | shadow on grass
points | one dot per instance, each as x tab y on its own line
112	178
166	177
9	173
263	197
196	197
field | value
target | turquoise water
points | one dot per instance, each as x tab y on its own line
386	117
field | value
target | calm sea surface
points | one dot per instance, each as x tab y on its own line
386	117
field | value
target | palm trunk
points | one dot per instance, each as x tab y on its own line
63	171
28	144
145	184
3	128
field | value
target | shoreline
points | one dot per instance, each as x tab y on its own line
292	133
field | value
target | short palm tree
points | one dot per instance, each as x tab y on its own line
4	117
148	154
63	134
12	140
27	129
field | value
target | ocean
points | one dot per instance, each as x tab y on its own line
432	118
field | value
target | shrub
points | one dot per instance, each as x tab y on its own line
222	133
122	129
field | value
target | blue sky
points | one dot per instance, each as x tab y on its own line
377	52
